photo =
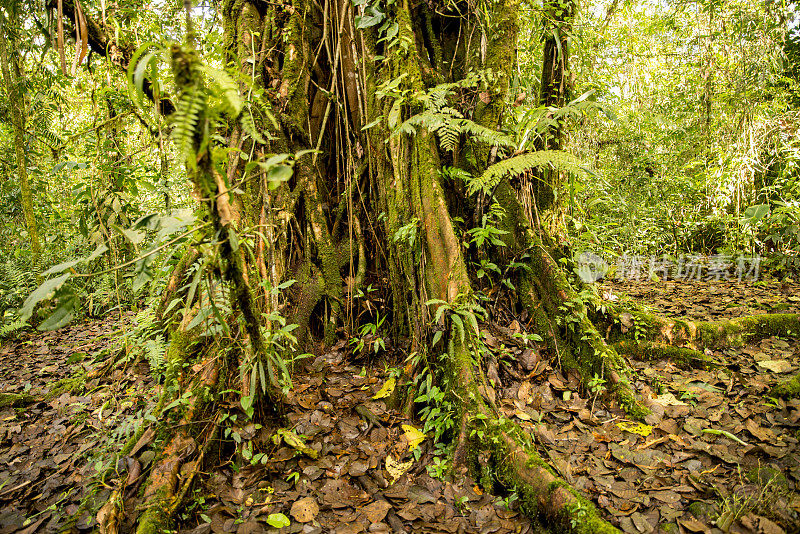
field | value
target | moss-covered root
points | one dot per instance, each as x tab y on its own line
162	495
788	388
703	334
737	331
546	293
540	491
518	465
17	400
682	357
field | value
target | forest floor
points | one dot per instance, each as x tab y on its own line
717	455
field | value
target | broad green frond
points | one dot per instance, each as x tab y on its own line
551	159
449	124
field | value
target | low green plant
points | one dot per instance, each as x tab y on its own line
597	386
770	489
368	336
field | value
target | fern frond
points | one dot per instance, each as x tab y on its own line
227	88
551	159
249	126
11	328
486	135
187	116
155	349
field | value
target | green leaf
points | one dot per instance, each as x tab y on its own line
142	273
247	405
394	114
373	123
371	17
459	325
263	377
436	337
278	520
279	174
61	267
139	63
101	249
201	316
62	315
133	236
45	291
753	214
472	320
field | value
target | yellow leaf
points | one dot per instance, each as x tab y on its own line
414	436
292	440
636	428
395	468
519	414
386	390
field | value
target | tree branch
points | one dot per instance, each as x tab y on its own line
120	55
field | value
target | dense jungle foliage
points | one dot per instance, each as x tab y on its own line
258	183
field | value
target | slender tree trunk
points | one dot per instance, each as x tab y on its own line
13	82
553	93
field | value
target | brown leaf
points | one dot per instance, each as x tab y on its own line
376	511
147	438
304	510
693	525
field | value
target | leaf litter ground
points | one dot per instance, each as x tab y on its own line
717	454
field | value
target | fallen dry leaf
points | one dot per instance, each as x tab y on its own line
304	510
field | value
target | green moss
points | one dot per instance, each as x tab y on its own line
629	403
580	516
66	385
767	475
156	518
719	333
788	388
176	355
771	324
738	331
16	400
702	510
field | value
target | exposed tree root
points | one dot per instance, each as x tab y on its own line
559	314
681	356
162	495
631	322
515	461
